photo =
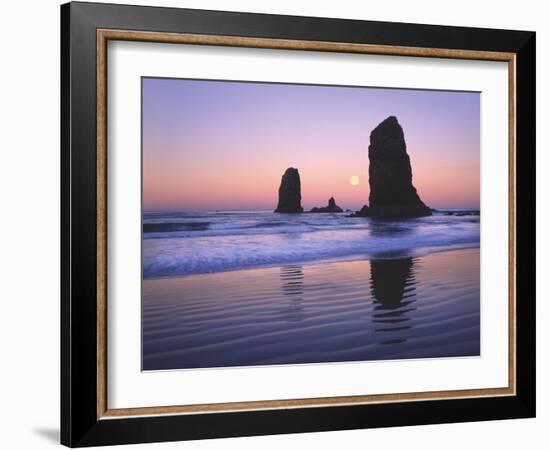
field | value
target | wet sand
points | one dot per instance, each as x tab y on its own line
421	307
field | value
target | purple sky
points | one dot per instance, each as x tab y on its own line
225	145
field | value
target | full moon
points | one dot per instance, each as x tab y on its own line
354	180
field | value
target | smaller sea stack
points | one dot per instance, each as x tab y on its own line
290	193
332	207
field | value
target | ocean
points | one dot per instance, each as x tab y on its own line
182	243
255	288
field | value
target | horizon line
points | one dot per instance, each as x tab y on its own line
178	209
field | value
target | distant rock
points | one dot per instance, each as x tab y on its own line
290	195
473	212
332	207
363	212
392	194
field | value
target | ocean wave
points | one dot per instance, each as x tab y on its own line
253	224
261	242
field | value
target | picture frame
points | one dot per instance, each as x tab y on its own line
86	29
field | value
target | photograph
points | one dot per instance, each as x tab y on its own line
292	223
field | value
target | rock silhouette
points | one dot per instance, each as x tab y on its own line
363	212
392	194
290	195
332	207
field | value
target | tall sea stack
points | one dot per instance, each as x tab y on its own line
290	194
392	194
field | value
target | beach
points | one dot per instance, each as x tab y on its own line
406	292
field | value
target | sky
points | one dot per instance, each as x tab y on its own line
214	145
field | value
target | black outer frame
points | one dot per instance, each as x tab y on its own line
79	423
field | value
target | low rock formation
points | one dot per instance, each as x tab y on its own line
290	195
363	212
473	212
392	194
332	207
